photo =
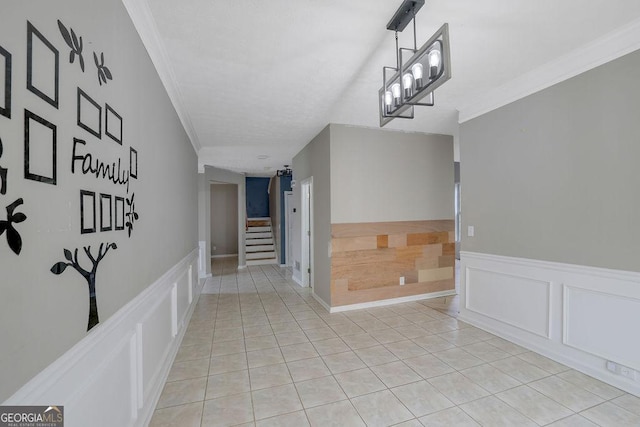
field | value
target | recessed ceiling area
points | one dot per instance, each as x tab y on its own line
254	78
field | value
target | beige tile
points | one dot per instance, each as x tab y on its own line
260	343
543	363
428	366
486	351
381	408
193	352
257	331
294	337
281	328
188	415
491	411
308	324
269	356
519	369
339	414
629	402
318	334
227	347
189	369
609	415
396	321
461	337
573	421
421	398
274	401
227	384
458	359
181	392
359	382
294	419
506	346
491	379
319	391
395	374
534	405
269	376
439	326
343	362
573	397
405	349
228	411
307	369
591	384
458	388
448	418
330	346
385	336
301	351
360	341
227	334
228	363
412	331
377	355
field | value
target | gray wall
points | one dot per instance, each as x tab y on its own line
224	219
554	176
314	161
43	315
380	175
205	179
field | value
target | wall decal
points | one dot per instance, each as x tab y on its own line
133	163
119	213
75	43
113	125
87	212
42	66
103	71
40	149
89	276
112	172
13	237
3	175
5	90
106	220
132	215
89	114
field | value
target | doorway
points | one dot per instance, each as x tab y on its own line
306	188
288	228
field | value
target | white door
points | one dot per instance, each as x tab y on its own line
307	232
288	227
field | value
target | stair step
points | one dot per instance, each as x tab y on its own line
252	242
258	222
260	248
258	229
258	235
261	255
251	262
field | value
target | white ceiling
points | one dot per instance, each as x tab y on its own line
252	78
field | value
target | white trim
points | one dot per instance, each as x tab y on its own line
84	378
224	256
282	265
321	302
297	280
391	301
242	267
620	42
142	18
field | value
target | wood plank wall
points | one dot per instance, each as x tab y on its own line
368	260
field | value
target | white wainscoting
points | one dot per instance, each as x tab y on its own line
577	315
115	375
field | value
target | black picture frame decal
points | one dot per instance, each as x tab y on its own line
40	149
89	114
5	89
87	212
119	213
133	163
43	66
113	124
106	209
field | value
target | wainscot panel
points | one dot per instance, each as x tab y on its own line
577	315
124	362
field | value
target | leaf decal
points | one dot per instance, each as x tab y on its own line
95	58
13	206
81	60
107	73
74	38
67	255
59	267
3	226
19	217
14	240
65	34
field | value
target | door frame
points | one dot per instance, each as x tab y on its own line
288	227
307	269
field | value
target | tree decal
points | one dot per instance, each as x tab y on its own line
89	275
103	71
13	237
132	215
74	42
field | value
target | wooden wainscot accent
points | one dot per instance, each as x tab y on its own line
368	260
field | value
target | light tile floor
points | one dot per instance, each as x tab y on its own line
260	351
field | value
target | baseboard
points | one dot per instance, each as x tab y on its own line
206	276
242	267
321	302
580	316
297	280
224	256
124	361
391	301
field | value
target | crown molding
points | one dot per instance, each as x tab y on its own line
613	45
145	24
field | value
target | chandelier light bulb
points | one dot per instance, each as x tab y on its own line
435	58
416	70
388	101
407	82
395	90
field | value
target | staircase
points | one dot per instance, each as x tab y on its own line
259	245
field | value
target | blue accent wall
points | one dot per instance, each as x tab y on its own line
285	185
257	197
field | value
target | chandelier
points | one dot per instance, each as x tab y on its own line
418	72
